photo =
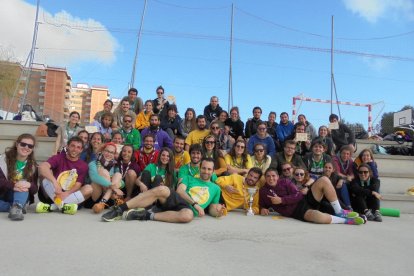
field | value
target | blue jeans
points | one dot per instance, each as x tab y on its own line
12	197
345	194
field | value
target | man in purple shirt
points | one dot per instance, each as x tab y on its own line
64	174
162	139
282	196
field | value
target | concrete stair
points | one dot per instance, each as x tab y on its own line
396	174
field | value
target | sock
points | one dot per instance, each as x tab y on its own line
337	206
124	207
337	220
53	207
149	215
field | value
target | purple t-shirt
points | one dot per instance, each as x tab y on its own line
125	167
61	166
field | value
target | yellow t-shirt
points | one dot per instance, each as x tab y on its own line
181	159
237	162
196	136
239	199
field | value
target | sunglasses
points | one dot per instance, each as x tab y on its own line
127	121
299	174
259	150
215	128
23	145
209	142
160	93
363	172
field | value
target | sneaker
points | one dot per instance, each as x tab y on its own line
114	214
347	214
370	216
43	208
99	207
16	212
70	209
377	216
136	214
355	221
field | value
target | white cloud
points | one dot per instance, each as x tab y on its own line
56	42
377	64
372	10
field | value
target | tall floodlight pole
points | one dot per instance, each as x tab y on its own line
31	57
230	98
131	84
332	60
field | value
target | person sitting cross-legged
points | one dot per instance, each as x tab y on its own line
190	200
283	197
235	190
64	174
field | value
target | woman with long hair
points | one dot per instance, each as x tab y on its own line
260	158
67	131
143	118
189	123
365	194
221	119
129	169
302	179
238	160
210	149
236	125
18	177
366	156
106	178
160	173
95	143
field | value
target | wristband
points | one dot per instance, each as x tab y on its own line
194	203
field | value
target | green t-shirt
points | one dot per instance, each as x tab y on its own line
20	165
155	170
188	170
202	192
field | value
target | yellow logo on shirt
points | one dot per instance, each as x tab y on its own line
199	194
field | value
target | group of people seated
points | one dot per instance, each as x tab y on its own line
146	163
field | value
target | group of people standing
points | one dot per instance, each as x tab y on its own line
146	163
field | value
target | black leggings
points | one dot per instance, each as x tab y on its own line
146	179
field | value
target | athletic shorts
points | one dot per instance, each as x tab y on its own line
307	203
173	203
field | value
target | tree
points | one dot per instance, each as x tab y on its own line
10	71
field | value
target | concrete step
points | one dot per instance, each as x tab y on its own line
15	128
391	184
404	203
395	164
43	150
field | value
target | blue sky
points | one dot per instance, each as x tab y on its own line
279	50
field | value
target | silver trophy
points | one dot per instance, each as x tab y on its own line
251	192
